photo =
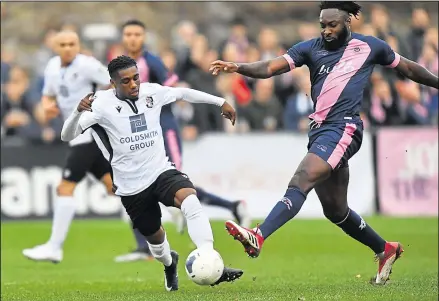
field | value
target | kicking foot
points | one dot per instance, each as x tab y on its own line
250	239
241	214
136	255
229	275
44	252
392	252
171	274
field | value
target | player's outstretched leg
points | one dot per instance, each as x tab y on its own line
237	208
63	213
199	227
333	196
311	170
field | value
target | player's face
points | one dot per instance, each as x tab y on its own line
127	83
133	37
334	28
68	47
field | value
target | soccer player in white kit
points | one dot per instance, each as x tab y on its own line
68	77
126	127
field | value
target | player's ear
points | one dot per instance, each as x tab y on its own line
113	84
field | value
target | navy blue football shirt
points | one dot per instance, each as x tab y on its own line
338	77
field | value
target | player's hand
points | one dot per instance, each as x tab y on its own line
220	66
228	112
86	102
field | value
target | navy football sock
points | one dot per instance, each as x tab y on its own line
140	239
285	209
213	200
356	227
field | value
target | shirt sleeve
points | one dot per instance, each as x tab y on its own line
48	87
164	76
384	54
296	56
97	72
88	119
169	95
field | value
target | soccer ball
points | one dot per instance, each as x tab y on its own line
204	266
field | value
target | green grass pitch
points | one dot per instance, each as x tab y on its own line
305	260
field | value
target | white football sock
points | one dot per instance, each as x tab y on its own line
162	252
198	224
63	213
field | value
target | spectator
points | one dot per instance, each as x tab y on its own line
264	113
384	107
432	37
368	30
21	114
206	116
169	59
114	51
7	57
183	37
299	105
420	24
307	31
45	52
240	88
239	38
224	86
380	20
268	42
429	96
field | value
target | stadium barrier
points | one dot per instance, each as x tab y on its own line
407	171
253	167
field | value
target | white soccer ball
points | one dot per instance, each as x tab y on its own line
204	266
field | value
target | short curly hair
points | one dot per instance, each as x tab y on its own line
120	63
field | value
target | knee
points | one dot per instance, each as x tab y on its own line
150	228
335	213
304	179
65	188
182	194
156	238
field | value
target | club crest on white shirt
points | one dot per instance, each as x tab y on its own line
149	101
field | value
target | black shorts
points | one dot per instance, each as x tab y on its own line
144	207
83	158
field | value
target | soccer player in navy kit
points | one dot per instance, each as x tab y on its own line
152	69
340	64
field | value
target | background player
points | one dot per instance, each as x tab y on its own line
126	123
152	69
68	77
340	63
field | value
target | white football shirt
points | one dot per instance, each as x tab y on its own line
129	133
71	83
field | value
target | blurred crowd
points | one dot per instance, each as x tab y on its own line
281	103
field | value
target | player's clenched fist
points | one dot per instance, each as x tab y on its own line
228	112
221	66
85	104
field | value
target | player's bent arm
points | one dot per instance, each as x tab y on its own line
71	128
417	73
264	69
